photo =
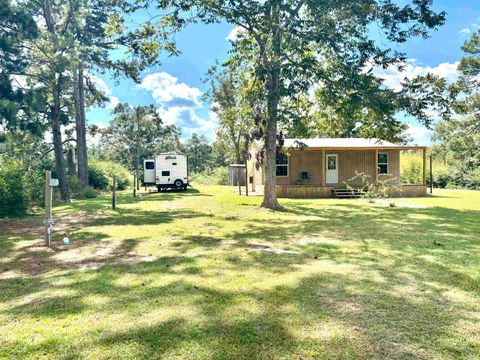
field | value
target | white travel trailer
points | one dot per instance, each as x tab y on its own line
166	171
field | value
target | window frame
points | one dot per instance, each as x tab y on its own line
383	163
166	171
147	163
286	165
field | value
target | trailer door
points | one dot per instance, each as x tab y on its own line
148	172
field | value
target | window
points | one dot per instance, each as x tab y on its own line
331	163
149	165
165	173
282	165
173	164
383	163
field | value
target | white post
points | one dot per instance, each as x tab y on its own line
48	209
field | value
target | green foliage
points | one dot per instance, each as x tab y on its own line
362	184
231	100
411	168
101	174
78	191
89	193
446	173
216	176
13	195
136	134
199	153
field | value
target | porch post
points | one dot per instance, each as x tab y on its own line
376	166
324	168
424	166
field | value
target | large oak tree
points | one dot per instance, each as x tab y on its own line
292	43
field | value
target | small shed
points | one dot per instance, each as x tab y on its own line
236	174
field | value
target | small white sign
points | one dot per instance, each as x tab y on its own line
53	182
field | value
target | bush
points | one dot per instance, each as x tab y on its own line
100	175
444	175
13	195
89	193
216	176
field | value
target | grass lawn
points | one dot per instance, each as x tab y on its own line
206	274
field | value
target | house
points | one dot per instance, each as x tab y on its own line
309	168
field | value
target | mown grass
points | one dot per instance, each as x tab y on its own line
206	274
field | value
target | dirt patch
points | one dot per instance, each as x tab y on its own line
36	259
28	226
269	249
317	240
400	204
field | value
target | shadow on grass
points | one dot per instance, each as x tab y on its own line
344	317
392	303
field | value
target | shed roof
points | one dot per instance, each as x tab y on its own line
346	143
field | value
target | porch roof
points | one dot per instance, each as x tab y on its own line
347	144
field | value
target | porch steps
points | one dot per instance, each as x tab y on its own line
344	193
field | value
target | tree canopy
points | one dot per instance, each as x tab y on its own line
293	45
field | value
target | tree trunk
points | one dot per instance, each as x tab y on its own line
238	154
80	124
57	142
269	192
71	163
273	85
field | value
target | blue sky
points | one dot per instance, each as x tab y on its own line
175	87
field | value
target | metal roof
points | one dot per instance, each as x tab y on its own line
343	143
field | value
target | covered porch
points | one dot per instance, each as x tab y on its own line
315	167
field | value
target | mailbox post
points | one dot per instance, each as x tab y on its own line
49	185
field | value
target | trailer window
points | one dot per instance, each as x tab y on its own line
165	173
149	165
173	164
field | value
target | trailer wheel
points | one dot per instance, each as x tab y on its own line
178	184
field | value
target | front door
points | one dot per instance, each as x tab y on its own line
332	169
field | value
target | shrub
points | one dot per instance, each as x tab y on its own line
89	193
101	173
362	185
13	197
216	176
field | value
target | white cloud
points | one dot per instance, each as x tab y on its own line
166	88
419	134
101	85
393	77
188	120
233	34
464	31
180	104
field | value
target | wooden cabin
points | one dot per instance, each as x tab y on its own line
310	168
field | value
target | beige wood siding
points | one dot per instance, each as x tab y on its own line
300	161
351	161
311	162
252	170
